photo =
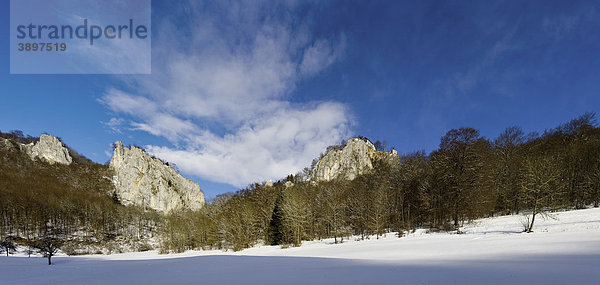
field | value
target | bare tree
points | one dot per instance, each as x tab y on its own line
380	145
295	214
29	251
332	203
8	245
378	201
48	246
508	171
541	185
409	177
593	183
464	169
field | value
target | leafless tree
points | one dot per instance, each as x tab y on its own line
8	246
48	246
541	185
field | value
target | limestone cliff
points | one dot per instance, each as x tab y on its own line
48	148
142	180
353	159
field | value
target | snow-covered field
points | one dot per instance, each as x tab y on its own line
491	251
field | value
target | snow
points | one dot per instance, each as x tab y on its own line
565	250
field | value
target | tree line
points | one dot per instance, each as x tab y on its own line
72	203
467	177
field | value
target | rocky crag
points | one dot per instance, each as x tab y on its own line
355	158
146	181
138	178
48	148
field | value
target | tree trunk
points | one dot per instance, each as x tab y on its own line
531	225
456	221
49	262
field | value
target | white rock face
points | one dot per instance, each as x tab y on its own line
48	148
356	158
146	181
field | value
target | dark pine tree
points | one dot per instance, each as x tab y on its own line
276	225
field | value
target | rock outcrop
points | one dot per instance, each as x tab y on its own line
6	144
48	148
353	159
146	181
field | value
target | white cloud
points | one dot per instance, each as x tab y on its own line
320	55
222	95
114	124
274	147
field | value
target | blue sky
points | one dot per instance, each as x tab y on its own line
252	90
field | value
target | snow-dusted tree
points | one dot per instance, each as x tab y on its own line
541	186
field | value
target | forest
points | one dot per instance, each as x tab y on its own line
467	177
74	203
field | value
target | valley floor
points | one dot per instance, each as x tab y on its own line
565	250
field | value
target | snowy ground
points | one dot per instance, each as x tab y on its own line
491	251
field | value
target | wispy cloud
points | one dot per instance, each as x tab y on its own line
114	124
320	55
221	94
